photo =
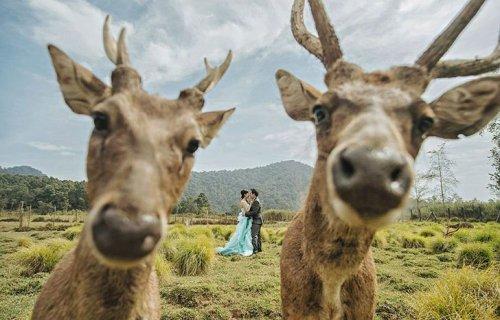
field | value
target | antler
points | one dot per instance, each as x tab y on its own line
214	74
326	48
443	42
117	53
309	41
463	67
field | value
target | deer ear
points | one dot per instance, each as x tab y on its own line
210	123
298	97
80	87
466	109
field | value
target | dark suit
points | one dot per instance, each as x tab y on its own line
254	214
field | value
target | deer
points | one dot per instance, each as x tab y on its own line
140	155
369	127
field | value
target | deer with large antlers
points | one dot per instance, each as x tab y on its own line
369	128
140	156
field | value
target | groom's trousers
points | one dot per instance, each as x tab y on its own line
256	241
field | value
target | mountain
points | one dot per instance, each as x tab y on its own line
22	170
281	185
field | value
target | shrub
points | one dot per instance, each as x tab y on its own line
72	232
463	294
163	268
441	244
278	215
194	256
24	242
42	257
475	254
411	241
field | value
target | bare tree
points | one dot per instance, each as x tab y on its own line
420	191
494	186
441	171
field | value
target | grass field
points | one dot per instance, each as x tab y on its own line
421	274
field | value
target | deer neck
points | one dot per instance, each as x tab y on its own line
334	248
112	293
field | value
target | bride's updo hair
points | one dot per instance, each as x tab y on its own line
243	193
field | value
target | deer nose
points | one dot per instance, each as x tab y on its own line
372	181
116	236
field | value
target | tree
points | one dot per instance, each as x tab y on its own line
420	191
202	204
441	171
494	129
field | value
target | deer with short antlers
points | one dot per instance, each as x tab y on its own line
369	129
140	156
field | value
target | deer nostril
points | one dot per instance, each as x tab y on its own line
347	167
396	174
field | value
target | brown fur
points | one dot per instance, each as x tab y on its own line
140	165
327	269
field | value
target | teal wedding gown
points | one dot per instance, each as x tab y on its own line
241	240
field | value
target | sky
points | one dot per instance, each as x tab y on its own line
167	42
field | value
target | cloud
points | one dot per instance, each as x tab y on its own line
45	146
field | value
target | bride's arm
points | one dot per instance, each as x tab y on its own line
245	206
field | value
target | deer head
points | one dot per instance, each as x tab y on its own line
141	150
370	126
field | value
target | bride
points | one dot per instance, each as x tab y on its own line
241	241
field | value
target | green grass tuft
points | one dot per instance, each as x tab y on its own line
42	257
428	233
475	254
163	269
194	256
441	244
463	294
24	242
412	241
72	232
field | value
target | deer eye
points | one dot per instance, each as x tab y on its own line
425	124
193	145
320	114
101	121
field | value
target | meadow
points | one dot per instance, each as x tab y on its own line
422	274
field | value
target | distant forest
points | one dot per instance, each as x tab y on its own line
281	185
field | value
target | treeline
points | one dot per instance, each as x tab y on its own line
43	194
458	210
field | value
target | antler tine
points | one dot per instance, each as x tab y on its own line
214	74
443	42
327	37
122	57
117	53
463	67
310	42
109	41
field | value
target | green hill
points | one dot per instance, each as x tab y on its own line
22	170
281	185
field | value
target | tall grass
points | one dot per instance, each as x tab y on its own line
42	257
72	232
441	244
193	256
475	254
460	294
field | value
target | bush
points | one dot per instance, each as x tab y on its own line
163	269
194	256
24	242
476	254
463	294
72	232
411	241
441	244
42	257
278	215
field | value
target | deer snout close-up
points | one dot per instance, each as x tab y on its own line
117	236
371	181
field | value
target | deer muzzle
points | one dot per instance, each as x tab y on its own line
118	236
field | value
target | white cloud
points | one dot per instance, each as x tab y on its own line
45	146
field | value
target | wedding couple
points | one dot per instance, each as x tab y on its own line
246	239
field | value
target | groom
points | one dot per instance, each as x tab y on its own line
254	213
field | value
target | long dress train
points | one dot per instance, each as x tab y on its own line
241	240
